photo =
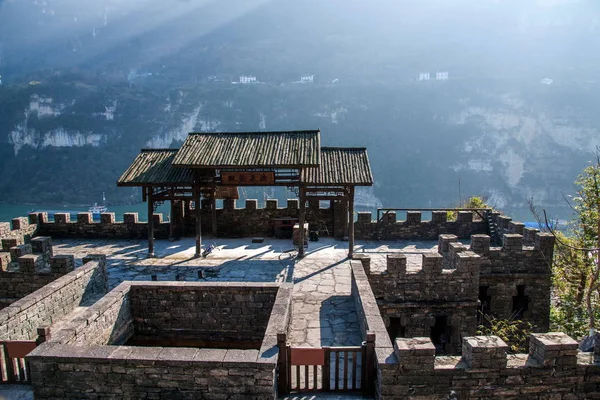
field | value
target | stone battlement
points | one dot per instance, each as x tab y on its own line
106	228
434	281
414	228
28	267
408	368
515	279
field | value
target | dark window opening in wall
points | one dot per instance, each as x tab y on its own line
520	303
483	307
396	330
440	334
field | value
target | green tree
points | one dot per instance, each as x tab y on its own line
471	202
576	262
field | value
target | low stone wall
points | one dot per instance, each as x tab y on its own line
553	369
108	322
414	228
62	366
20	320
107	228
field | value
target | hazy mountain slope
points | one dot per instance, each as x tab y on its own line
86	84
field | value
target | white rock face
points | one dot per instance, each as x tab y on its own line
193	122
45	107
511	136
23	136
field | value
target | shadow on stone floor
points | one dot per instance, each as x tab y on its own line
339	322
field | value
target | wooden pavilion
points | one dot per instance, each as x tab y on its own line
213	165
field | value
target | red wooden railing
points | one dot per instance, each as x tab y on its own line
348	368
13	366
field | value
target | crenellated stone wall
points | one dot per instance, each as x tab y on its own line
442	298
253	220
21	319
413	228
408	368
29	267
553	369
519	271
107	228
412	301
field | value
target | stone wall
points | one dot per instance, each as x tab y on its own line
414	302
252	220
108	322
442	298
20	320
18	228
414	228
553	369
29	267
506	270
107	228
235	312
62	367
410	369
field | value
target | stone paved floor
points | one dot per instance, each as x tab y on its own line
323	312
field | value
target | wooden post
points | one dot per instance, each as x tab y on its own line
198	222
172	223
282	362
369	363
326	379
350	221
150	222
213	210
301	222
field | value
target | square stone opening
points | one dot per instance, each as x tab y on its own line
203	316
216	340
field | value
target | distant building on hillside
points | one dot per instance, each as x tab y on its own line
247	79
307	78
424	76
441	76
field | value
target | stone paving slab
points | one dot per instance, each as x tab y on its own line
323	312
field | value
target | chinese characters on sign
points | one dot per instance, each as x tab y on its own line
261	178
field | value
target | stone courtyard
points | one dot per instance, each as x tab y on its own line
323	310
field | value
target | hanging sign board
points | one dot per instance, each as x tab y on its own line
258	178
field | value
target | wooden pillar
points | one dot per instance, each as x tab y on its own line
172	222
213	210
283	379
150	222
198	222
301	222
350	221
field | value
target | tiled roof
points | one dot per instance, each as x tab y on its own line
293	149
339	165
154	167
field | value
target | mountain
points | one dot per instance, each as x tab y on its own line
86	84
